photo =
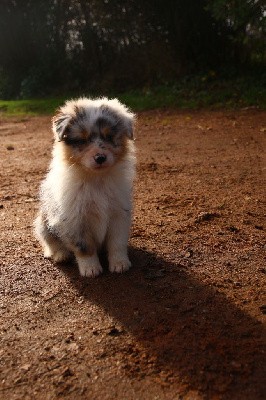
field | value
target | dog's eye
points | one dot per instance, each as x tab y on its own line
76	141
109	137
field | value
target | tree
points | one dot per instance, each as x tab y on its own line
48	46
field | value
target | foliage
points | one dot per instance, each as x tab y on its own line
245	22
192	92
58	46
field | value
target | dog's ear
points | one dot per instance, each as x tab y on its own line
119	116
60	124
129	126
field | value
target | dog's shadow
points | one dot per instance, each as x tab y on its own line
190	329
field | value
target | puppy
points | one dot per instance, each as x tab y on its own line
86	196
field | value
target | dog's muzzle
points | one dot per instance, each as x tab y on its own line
100	158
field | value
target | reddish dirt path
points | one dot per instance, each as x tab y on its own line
187	321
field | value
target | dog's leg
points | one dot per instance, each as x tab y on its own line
52	245
85	252
117	240
89	265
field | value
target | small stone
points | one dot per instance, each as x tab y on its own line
73	347
70	338
25	367
233	229
188	254
114	332
67	372
206	216
263	309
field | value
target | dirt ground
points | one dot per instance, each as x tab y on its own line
186	322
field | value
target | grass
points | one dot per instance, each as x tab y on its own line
190	93
29	107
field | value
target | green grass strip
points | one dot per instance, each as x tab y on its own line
188	94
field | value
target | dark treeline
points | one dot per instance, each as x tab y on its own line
54	46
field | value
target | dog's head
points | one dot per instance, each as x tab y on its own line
94	133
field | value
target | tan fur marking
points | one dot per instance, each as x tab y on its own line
84	135
105	130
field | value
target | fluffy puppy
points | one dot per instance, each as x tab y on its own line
86	195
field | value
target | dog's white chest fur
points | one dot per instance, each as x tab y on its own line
90	203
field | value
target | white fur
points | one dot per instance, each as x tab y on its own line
97	204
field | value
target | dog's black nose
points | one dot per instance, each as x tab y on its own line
100	158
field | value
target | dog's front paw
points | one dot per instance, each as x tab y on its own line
89	267
90	271
119	265
58	256
61	255
47	252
